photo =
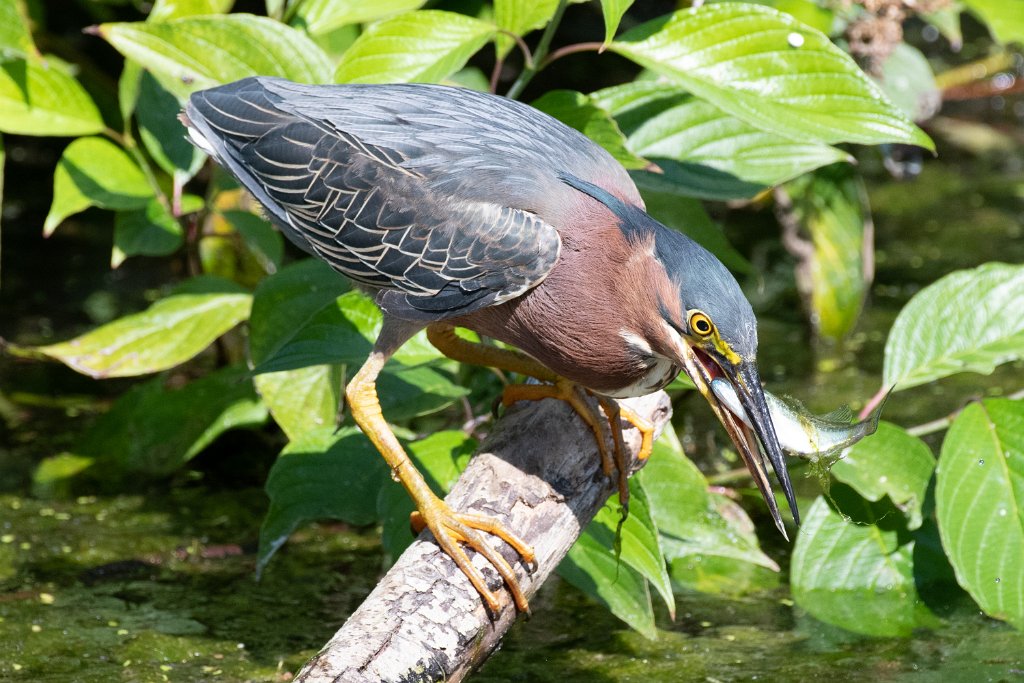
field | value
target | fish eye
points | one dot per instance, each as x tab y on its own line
701	324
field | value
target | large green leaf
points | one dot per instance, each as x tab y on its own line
42	99
969	321
153	430
323	16
891	463
1004	18
15	37
423	46
695	181
856	573
663	121
168	333
150	231
613	11
200	52
95	172
576	110
688	216
770	70
831	205
519	17
156	113
979	500
593	568
174	9
324	474
302	400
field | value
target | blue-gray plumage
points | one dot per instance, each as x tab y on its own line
460	208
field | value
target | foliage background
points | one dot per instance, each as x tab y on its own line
246	347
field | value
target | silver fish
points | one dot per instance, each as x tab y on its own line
800	431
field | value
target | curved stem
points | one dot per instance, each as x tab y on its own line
571	50
530	70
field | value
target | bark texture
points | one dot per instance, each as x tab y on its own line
538	472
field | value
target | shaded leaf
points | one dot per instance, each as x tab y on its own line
520	17
95	172
408	392
857	575
612	10
15	37
318	17
323	475
302	400
260	236
168	333
200	52
594	569
770	70
424	46
696	181
979	499
908	81
831	205
151	231
968	321
1004	18
576	110
156	113
37	98
890	463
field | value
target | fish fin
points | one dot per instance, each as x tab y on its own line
843	414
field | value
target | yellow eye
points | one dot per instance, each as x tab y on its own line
701	324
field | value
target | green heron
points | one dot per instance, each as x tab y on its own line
458	208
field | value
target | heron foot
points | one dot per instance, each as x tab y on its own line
451	529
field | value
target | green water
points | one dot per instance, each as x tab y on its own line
159	585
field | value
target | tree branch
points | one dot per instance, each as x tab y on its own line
538	472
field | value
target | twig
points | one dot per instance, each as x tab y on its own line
538	56
941	423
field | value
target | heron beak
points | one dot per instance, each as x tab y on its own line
757	444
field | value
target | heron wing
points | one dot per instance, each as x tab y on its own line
361	208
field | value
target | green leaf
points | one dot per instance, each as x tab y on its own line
979	499
809	12
832	206
153	430
408	392
968	321
168	333
15	37
613	10
424	46
323	475
151	231
302	400
3	162
260	236
908	81
593	568
770	70
164	10
37	98
857	575
200	52
1004	18
663	121
891	463
161	132
695	181
95	172
520	17
947	21
319	17
576	110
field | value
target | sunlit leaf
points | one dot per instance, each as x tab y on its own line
593	568
979	501
908	81
1004	18
831	205
15	37
95	172
891	463
817	15
157	115
577	111
424	46
318	17
168	333
302	400
968	321
200	52
613	11
174	9
324	474
150	231
37	98
520	17
770	70
856	573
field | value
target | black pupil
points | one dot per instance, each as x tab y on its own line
703	326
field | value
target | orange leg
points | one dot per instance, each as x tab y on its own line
450	528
